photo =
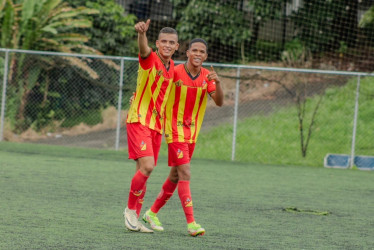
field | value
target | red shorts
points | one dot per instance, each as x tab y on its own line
142	141
180	153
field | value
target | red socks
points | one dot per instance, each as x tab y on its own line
166	192
136	189
139	204
186	200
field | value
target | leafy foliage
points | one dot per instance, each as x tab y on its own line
41	25
112	24
199	19
324	24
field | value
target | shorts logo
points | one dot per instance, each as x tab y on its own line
179	154
138	192
143	146
188	203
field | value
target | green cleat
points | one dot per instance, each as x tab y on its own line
152	219
195	229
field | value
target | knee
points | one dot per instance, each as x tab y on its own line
174	178
184	175
147	169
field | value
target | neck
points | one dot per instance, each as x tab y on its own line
164	60
192	69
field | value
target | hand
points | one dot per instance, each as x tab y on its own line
213	75
142	27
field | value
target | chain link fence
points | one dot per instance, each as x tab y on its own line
271	115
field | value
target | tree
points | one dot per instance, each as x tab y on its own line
263	11
367	24
229	26
41	25
221	23
325	25
111	23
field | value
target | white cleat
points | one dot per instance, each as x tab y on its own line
131	220
144	229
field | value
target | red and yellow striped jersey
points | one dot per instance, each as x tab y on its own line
153	86
186	105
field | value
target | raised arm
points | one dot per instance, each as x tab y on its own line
217	96
141	28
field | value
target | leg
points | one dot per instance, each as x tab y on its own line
184	191
141	150
166	192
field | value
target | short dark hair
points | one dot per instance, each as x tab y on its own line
168	30
198	40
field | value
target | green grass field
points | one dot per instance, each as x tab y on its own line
68	198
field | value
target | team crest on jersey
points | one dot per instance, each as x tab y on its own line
204	82
188	203
143	146
159	72
179	154
178	83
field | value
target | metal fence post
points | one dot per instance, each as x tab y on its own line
119	107
355	122
5	79
235	114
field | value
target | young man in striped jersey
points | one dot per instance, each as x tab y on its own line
184	115
145	116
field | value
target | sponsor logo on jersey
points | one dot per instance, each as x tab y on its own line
178	83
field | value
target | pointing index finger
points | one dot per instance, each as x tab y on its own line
211	67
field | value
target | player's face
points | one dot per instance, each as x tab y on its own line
197	54
167	44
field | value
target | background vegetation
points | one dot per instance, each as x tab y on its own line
275	138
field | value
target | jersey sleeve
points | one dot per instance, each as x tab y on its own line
148	62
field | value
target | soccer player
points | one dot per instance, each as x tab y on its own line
145	116
184	115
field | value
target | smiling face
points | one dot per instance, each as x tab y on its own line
167	44
197	54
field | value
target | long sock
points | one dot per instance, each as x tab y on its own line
139	204
136	189
186	200
166	192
